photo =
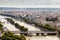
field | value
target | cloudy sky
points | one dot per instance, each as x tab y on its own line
29	3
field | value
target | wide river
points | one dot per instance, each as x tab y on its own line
43	38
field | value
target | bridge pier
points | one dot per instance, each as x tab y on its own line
24	34
42	34
37	34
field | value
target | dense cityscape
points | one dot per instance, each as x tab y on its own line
24	23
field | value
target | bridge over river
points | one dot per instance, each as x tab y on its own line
36	32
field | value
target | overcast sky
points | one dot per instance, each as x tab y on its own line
29	3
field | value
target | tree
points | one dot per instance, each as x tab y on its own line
22	28
10	20
11	36
1	26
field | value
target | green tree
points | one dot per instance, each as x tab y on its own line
11	36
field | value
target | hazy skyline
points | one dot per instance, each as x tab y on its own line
30	3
